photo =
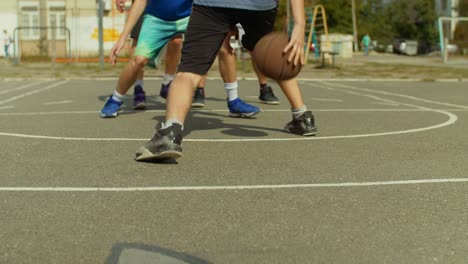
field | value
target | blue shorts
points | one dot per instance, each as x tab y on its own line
155	33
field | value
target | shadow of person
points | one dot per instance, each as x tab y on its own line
135	253
199	120
152	103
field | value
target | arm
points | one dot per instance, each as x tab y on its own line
296	43
134	14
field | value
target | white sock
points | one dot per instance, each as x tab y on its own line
231	90
117	97
167	78
171	121
138	83
299	111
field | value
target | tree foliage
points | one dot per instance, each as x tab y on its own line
383	20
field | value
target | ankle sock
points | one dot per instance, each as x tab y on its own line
171	121
167	78
138	83
231	90
117	97
299	111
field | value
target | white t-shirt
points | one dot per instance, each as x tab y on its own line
6	39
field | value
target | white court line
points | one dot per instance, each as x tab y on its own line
382	103
21	87
58	102
32	92
231	187
396	94
224	110
6	107
452	119
326	100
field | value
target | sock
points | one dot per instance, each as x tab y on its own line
167	78
138	83
171	121
202	89
299	111
231	90
117	97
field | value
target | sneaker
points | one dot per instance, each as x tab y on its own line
165	144
239	108
304	125
139	98
198	99
267	96
164	90
111	108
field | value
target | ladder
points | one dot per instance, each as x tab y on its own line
318	27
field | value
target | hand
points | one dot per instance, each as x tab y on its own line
296	45
118	46
120	4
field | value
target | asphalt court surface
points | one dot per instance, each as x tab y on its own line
384	181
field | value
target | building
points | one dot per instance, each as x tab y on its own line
59	28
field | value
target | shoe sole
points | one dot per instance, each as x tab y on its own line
308	134
245	115
146	155
270	102
140	106
108	116
198	105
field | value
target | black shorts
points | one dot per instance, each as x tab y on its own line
207	28
137	28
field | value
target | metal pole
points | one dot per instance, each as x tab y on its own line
353	10
101	33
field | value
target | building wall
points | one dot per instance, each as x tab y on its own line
78	16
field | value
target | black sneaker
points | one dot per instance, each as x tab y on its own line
267	96
198	99
165	144
304	125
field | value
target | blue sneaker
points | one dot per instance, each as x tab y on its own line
239	108
111	108
139	98
164	90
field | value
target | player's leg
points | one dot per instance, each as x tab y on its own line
139	96
171	61
266	92
201	45
149	46
256	26
228	71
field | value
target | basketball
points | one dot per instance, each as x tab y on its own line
270	59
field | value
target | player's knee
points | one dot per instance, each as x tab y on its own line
139	61
176	42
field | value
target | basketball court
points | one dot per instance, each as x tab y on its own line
384	181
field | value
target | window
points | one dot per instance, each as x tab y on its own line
56	19
29	17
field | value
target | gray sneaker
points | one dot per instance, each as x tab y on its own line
304	125
165	144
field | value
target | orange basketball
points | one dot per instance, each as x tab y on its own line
270	59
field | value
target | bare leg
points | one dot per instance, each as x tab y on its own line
173	54
141	74
180	97
293	93
130	73
227	60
